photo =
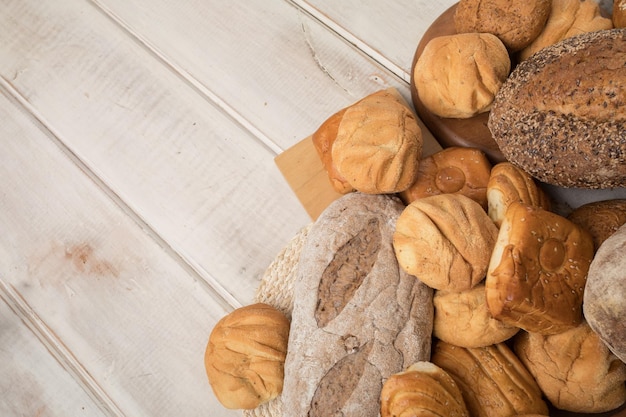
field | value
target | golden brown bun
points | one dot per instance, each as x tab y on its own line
568	18
463	319
605	293
453	170
560	114
574	369
378	145
516	23
245	356
509	183
600	218
537	270
423	389
457	76
493	381
619	13
445	240
323	140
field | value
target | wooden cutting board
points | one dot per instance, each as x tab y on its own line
303	169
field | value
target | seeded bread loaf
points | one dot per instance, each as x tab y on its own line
560	114
357	317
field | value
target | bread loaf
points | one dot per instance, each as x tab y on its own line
245	355
600	218
605	293
424	389
493	381
560	114
357	317
574	369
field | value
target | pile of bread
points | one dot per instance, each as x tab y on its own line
443	284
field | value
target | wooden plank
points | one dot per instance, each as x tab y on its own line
116	308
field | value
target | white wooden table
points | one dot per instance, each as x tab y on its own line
139	199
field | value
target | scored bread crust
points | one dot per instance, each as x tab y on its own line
560	114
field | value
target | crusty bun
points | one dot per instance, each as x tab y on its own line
567	18
509	183
492	380
560	114
245	356
574	369
445	240
423	389
373	146
605	293
516	23
463	319
452	170
537	271
600	218
457	76
619	13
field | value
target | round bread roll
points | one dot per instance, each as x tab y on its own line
423	389
508	183
445	240
245	356
605	293
463	319
619	13
574	369
457	76
492	380
516	23
600	218
560	114
452	170
537	271
567	18
378	145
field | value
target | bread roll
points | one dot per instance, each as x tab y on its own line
605	293
445	240
457	76
619	13
245	356
463	319
508	183
537	270
560	114
492	380
357	317
452	170
600	218
515	23
423	389
567	18
574	369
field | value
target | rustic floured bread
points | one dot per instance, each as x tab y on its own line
560	114
537	270
574	369
357	317
457	76
516	23
245	355
600	218
508	183
567	18
453	170
424	389
492	380
605	293
446	241
463	319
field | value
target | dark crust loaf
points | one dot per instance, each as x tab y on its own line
560	114
358	317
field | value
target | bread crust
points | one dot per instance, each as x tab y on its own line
560	114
